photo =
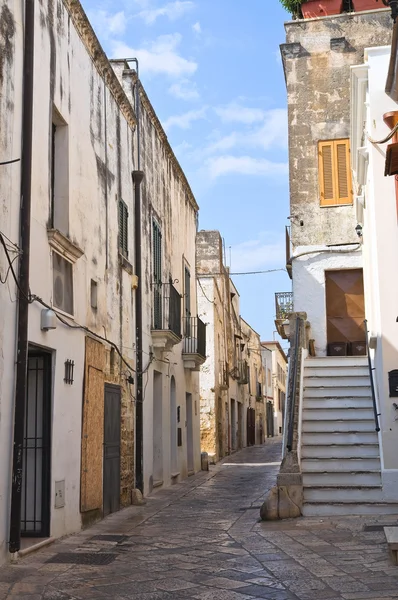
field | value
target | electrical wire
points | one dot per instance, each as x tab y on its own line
11	267
9	162
8	270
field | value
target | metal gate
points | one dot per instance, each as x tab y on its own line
35	507
251	426
111	449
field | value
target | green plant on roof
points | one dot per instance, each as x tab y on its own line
293	6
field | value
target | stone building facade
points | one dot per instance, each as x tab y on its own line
79	432
317	58
232	378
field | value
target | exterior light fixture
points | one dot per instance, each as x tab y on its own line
393	4
48	319
358	229
286	328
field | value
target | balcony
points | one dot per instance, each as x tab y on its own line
223	376
166	318
194	345
283	308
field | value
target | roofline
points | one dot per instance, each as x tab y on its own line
277	344
100	59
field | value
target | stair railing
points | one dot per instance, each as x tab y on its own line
372	384
294	382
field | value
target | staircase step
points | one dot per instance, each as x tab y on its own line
338	403
338	465
346	509
352	425
341	414
347	494
340	451
391	534
357	478
338	437
336	361
336	372
338	382
337	392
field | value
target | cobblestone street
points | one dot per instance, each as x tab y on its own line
203	539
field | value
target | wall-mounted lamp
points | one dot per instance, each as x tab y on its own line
48	319
358	228
393	4
286	328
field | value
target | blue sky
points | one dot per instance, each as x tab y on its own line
213	73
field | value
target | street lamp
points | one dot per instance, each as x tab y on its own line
393	4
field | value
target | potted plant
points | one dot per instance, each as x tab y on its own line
360	5
321	8
294	7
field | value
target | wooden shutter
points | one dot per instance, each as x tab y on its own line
157	275
334	172
123	228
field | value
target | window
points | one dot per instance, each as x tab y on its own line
269	377
94	294
59	181
62	284
123	228
187	301
335	184
157	275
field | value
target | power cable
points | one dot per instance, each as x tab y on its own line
386	139
9	162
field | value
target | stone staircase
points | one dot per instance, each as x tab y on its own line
340	458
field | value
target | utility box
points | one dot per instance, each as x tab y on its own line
393	383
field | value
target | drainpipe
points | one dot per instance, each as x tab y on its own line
23	295
138	176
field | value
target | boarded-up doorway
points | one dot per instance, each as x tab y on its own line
345	306
111	449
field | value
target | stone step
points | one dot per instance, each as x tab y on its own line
336	392
340	414
312	438
391	534
347	494
336	361
338	465
346	509
340	451
353	478
335	382
336	372
338	403
367	425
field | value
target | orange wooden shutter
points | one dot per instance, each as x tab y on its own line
334	172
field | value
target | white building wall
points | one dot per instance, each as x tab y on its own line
380	248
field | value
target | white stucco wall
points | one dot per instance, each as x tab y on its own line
309	285
380	248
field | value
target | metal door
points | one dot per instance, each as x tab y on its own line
111	449
35	508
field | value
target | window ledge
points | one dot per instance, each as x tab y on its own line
125	264
63	245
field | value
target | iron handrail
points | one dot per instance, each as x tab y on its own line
293	385
372	385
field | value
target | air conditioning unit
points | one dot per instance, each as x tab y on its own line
62	284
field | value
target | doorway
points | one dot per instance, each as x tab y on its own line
240	426
251	426
189	415
157	428
233	424
227	429
220	429
173	427
36	476
345	306
112	414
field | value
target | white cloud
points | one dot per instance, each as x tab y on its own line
197	28
185	120
258	254
106	24
184	90
172	10
161	56
237	113
244	165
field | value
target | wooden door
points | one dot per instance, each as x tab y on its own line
345	306
112	413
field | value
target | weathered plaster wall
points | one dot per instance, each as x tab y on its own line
69	83
317	57
11	34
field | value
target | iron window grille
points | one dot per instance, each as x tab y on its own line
123	228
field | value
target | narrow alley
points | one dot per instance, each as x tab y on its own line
202	539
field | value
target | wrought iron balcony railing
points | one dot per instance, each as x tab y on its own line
195	336
283	304
166	309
